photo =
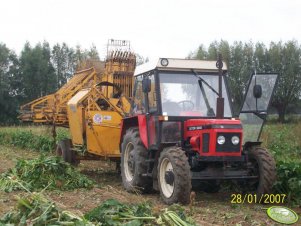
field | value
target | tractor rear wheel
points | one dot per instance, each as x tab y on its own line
174	177
265	168
64	150
133	163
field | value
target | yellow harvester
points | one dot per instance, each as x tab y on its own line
92	104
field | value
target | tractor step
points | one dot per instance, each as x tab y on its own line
221	174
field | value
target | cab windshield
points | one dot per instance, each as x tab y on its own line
185	94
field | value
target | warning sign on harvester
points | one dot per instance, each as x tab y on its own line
107	117
97	118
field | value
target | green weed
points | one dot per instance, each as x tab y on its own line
284	142
289	181
38	139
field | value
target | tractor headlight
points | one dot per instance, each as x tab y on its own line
221	140
235	140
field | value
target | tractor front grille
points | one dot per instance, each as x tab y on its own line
205	140
228	146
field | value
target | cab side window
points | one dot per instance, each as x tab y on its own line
152	99
138	101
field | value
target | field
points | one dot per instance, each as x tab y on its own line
284	141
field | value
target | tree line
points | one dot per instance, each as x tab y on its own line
37	71
40	70
244	58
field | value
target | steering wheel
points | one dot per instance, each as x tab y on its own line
185	105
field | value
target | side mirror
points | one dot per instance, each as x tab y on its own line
257	91
146	85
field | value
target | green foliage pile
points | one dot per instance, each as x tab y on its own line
43	173
30	139
34	209
114	213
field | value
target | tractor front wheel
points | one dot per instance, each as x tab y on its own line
174	177
264	167
133	163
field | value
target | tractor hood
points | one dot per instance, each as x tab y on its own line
214	137
201	124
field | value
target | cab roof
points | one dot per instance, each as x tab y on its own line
172	64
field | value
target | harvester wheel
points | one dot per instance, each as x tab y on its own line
64	149
174	177
265	168
133	163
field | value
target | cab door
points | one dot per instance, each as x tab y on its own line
256	103
151	112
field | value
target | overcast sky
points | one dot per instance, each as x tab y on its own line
156	28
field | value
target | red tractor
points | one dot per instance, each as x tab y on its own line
182	132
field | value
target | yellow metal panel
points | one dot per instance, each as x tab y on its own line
75	115
103	133
78	97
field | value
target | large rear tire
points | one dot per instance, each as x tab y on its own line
133	163
64	150
265	167
174	177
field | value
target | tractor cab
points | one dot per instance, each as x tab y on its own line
182	134
178	98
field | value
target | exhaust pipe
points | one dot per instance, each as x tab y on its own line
220	100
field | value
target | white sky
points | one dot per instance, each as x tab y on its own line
156	28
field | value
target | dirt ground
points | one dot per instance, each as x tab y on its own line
208	209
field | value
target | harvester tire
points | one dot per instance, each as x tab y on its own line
133	163
266	167
64	150
174	177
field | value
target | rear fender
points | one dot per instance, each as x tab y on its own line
135	121
248	145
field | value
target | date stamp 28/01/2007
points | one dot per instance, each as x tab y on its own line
258	199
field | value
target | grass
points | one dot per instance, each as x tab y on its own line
283	140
